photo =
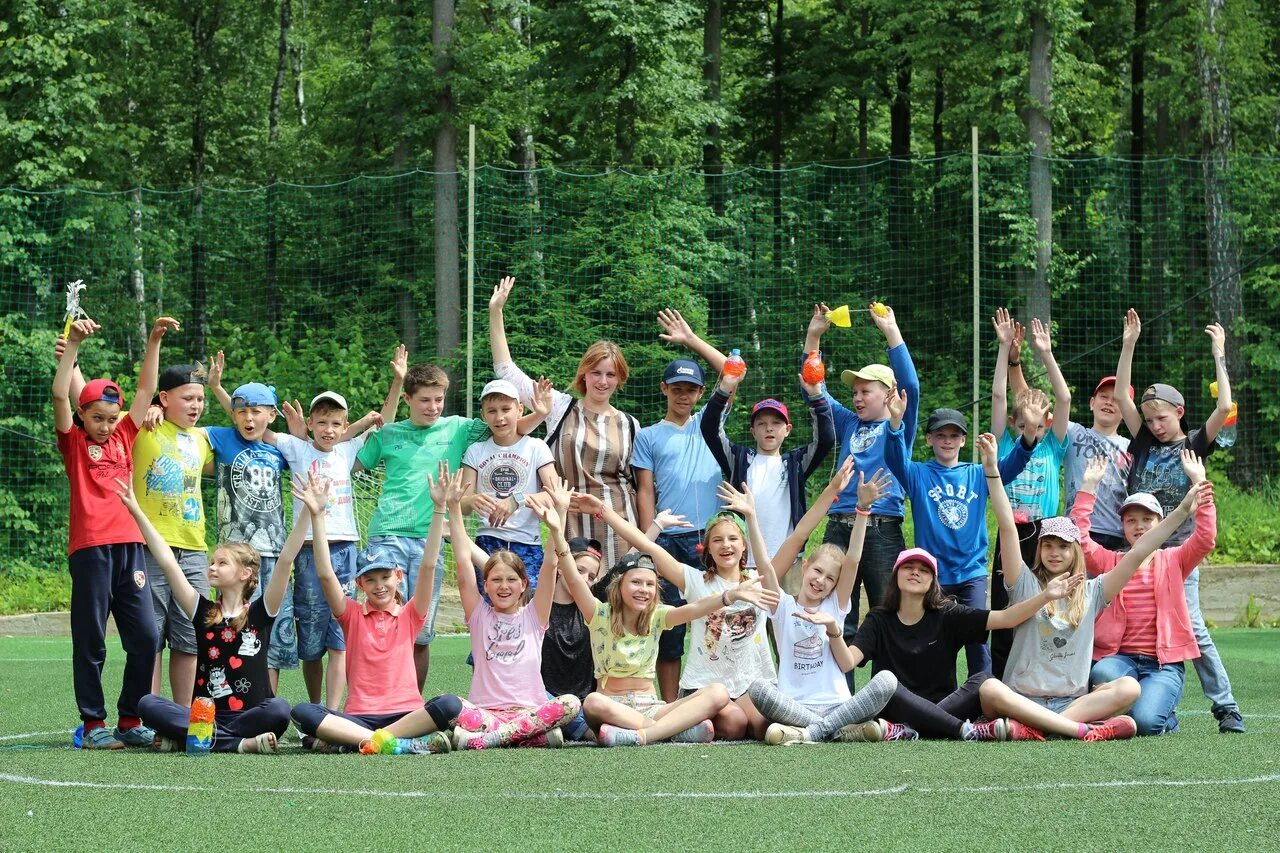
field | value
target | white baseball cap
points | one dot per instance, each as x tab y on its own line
329	395
1146	500
500	386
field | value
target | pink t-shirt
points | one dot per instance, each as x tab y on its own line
380	674
508	655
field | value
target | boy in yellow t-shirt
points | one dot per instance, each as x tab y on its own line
169	461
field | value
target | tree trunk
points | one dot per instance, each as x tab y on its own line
712	158
900	149
1040	133
273	138
407	242
939	105
1223	234
445	164
865	31
204	26
1137	142
296	51
775	137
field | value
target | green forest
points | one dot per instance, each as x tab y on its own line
293	180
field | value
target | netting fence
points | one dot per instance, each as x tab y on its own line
311	287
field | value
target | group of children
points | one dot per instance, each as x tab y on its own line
1092	615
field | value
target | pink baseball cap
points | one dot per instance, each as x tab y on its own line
770	405
919	554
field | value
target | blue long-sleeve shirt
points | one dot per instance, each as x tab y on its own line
866	440
949	506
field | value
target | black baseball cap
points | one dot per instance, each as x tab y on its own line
182	374
584	545
946	417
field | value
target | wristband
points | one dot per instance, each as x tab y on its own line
562	554
598	516
831	636
992	476
724	598
1017	363
860	511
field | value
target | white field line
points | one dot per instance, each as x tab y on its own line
35	734
16	779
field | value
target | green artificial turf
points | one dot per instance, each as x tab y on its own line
1196	789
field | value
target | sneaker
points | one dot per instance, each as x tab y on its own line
1171	725
614	736
997	729
872	731
777	734
555	738
703	732
1116	728
1230	722
896	731
460	737
139	735
436	743
164	744
1021	731
99	738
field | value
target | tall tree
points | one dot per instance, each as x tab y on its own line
445	165
1040	178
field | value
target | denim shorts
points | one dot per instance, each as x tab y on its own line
318	629
648	704
1056	704
407	552
283	651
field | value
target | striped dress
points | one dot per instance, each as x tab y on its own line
593	454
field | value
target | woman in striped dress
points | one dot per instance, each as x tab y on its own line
590	440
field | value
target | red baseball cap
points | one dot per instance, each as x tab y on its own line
1110	380
770	404
101	389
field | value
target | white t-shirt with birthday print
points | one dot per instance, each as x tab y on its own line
502	471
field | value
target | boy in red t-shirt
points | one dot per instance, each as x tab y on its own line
105	545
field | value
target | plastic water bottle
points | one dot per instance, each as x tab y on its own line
77	737
1227	435
814	371
200	727
734	365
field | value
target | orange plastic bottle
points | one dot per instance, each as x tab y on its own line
814	371
734	364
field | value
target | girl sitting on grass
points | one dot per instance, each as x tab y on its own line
624	644
382	685
1052	652
507	705
811	701
232	640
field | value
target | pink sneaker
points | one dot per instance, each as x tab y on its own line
1116	728
1021	731
997	729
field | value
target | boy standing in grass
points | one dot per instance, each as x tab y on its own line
676	472
862	432
105	550
169	462
1159	430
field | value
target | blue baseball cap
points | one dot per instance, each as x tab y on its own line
683	370
374	558
253	394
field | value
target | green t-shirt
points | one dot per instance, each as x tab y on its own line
411	453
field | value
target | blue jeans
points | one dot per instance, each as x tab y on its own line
407	552
972	593
283	651
1161	687
683	547
1213	675
318	630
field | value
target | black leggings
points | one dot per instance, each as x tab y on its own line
229	728
942	720
444	710
1002	639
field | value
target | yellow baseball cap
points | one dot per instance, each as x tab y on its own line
881	373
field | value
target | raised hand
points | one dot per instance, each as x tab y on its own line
455	489
400	362
987	448
82	329
1003	323
811	390
666	519
501	291
1062	586
753	593
543	396
1019	337
1040	337
1093	474
729	384
438	486
870	491
312	491
841	478
216	367
164	324
676	330
897	404
886	323
1193	465
546	512
818	323
585	503
740	501
293	417
1132	328
557	489
1198	495
1217	339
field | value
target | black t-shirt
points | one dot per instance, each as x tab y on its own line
923	655
1157	469
231	665
566	653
